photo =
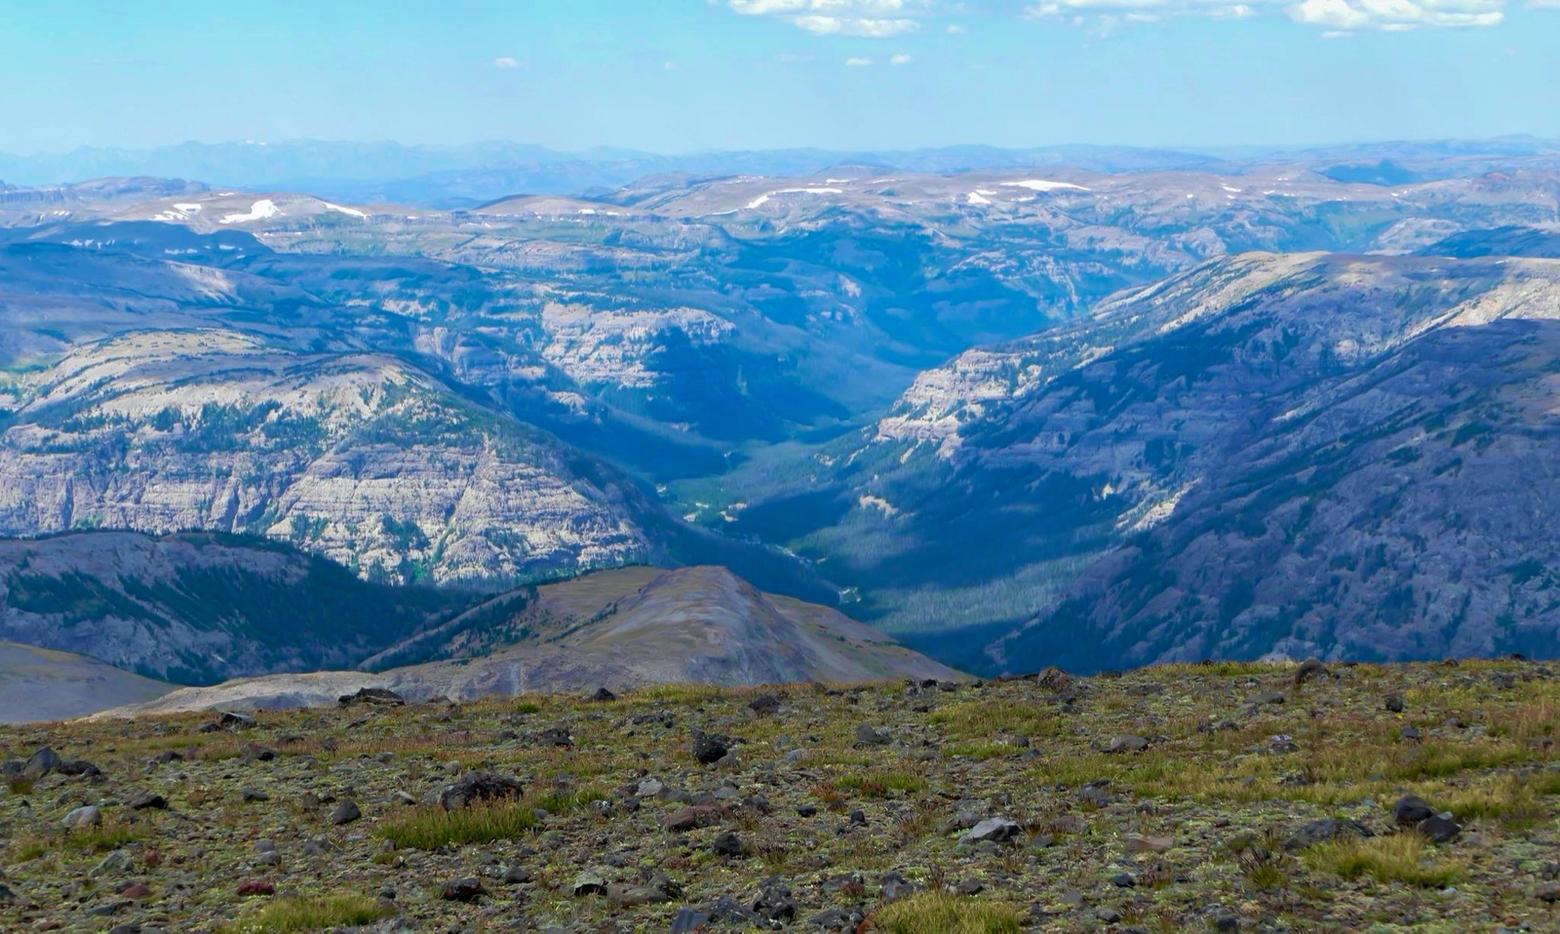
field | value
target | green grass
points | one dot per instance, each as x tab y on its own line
565	802
982	750
432	827
313	914
984	718
1397	858
29	848
937	913
1507	799
110	836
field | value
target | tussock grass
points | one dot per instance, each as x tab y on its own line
1534	717
431	827
29	848
1545	783
565	802
984	718
1507	798
937	913
880	784
313	914
680	693
1220	669
112	835
1398	858
981	751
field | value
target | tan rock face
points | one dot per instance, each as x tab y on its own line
358	458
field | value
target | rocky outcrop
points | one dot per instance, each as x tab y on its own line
356	457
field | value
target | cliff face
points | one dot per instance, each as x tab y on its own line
1404	512
357	457
1367	412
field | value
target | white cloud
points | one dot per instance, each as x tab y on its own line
867	19
504	61
1397	15
857	61
899	59
1334	16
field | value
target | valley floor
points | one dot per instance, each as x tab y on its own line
1224	796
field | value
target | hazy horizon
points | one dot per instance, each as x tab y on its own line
715	75
600	149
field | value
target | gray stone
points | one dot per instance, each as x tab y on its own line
992	828
87	816
345	813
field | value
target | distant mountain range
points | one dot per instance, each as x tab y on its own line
1109	409
469	175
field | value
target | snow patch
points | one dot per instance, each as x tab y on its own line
868	501
1040	184
260	210
340	209
763	199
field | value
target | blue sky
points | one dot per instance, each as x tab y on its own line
681	75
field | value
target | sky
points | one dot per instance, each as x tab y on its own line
686	75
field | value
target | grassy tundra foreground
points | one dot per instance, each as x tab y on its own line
1225	796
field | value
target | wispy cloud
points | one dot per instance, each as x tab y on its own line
504	61
857	61
867	19
1334	16
901	58
886	19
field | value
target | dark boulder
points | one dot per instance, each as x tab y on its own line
383	697
478	786
709	748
